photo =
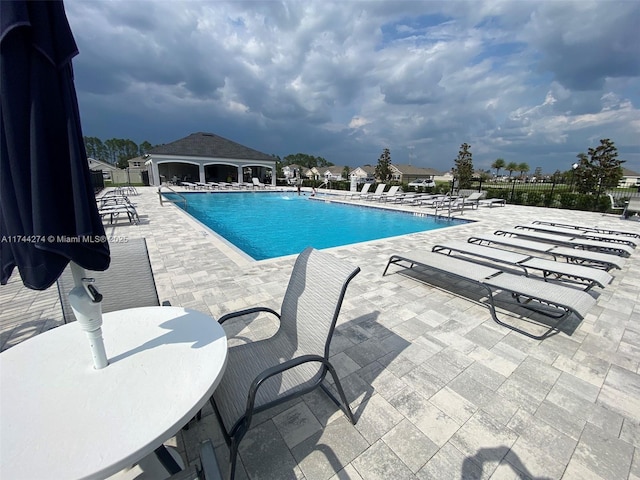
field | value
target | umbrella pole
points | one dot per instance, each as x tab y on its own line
86	303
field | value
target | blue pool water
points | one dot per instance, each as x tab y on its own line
273	224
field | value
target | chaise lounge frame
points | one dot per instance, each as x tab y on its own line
552	300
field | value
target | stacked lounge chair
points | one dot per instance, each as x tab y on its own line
568	241
545	286
548	299
583	228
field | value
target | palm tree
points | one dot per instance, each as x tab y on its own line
498	164
523	168
511	167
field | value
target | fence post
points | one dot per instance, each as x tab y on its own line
513	188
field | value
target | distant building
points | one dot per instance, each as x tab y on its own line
629	179
364	174
409	173
206	157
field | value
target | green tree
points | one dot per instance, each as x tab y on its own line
306	160
345	173
498	164
95	148
511	167
599	168
523	168
538	173
463	169
383	169
144	148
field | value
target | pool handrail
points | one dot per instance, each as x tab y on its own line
162	200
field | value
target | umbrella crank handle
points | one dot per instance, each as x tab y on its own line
91	290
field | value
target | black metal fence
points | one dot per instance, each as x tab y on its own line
556	194
97	180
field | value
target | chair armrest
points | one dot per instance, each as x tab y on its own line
270	372
247	311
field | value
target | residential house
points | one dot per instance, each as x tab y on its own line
332	173
108	169
629	179
364	174
409	173
206	157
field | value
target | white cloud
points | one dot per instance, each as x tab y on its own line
532	80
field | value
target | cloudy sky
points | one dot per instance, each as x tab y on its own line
534	82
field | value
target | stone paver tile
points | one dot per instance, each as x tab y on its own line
429	419
635	465
630	432
533	462
621	392
322	455
410	445
379	462
423	381
500	409
543	436
493	361
577	471
349	472
485	336
377	418
580	369
561	419
450	463
265	454
506	471
484	440
296	424
454	405
606	456
610	422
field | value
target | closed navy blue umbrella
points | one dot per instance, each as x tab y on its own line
48	212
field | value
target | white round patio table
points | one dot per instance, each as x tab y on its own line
62	419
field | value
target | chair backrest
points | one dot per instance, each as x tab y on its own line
127	283
634	204
365	188
313	300
393	190
380	188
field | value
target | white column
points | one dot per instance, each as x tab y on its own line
201	173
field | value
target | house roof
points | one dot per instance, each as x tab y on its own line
203	144
369	169
629	173
411	170
94	163
334	169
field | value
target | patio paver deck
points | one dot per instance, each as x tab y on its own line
440	390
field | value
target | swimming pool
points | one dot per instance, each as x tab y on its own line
273	224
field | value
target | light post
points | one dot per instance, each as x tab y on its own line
574	167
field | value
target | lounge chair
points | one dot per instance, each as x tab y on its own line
379	190
295	360
572	232
491	202
114	211
474	199
552	300
363	191
391	194
632	208
573	255
551	269
257	183
575	242
127	283
584	228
